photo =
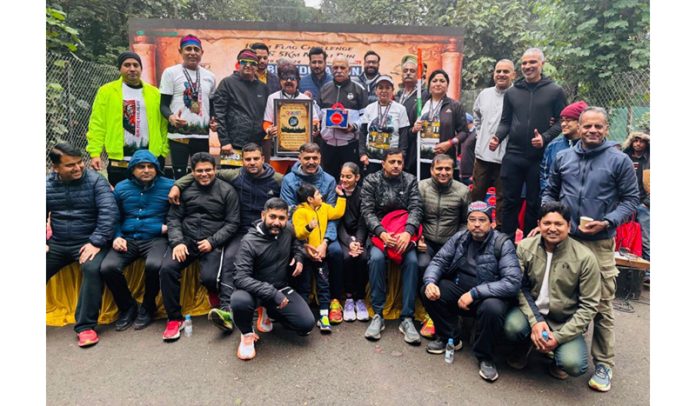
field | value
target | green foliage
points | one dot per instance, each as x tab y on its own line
60	37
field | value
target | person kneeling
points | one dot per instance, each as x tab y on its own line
261	277
559	297
475	273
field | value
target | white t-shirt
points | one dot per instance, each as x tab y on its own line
175	83
135	130
542	300
384	135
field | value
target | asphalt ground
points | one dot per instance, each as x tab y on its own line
137	367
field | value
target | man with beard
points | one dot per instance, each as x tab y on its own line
268	255
370	74
262	73
319	76
240	100
186	90
255	183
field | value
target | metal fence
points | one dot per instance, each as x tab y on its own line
71	86
626	97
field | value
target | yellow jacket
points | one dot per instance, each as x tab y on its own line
304	213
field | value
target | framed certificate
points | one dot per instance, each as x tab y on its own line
293	117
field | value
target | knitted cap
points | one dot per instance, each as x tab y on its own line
483	207
127	55
573	110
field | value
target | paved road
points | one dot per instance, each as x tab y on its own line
136	367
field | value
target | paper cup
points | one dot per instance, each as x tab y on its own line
584	220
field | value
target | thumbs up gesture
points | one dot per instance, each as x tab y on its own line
537	141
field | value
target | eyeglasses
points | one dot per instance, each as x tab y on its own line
289	77
245	62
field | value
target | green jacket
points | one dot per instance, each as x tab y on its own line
444	209
574	286
106	122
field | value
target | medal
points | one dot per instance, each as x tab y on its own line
195	107
195	87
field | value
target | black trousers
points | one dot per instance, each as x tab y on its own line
346	272
112	271
170	277
181	153
296	316
89	300
333	158
515	172
227	275
490	317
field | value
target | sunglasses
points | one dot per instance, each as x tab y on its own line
288	78
245	62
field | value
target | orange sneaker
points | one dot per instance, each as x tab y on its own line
263	322
87	338
428	329
335	312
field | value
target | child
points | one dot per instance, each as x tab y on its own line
310	220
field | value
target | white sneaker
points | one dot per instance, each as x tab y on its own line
246	350
361	310
349	310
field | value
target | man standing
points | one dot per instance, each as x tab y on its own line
126	117
340	145
408	97
571	134
370	74
637	147
597	182
528	108
240	100
262	73
319	76
83	212
445	203
488	108
198	228
140	233
255	183
268	255
559	297
475	273
384	192
186	90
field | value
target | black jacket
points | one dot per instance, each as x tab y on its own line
81	210
239	107
525	110
352	223
452	123
206	212
381	195
262	264
496	275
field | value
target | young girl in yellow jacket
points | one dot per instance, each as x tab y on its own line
310	219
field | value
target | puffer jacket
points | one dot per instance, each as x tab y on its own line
495	277
253	191
81	210
574	286
206	212
559	144
444	209
381	195
599	183
321	180
305	213
262	264
525	110
143	209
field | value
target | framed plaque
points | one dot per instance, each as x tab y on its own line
293	117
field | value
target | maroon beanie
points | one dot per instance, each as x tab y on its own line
573	110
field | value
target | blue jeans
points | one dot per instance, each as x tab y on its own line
377	266
643	218
570	356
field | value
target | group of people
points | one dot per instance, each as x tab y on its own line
345	210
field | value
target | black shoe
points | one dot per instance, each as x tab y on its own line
143	320
126	318
438	345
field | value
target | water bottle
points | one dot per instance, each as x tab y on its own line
449	351
188	326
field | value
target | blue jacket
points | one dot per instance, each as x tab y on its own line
599	183
550	152
321	180
143	210
310	83
495	277
81	210
253	193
